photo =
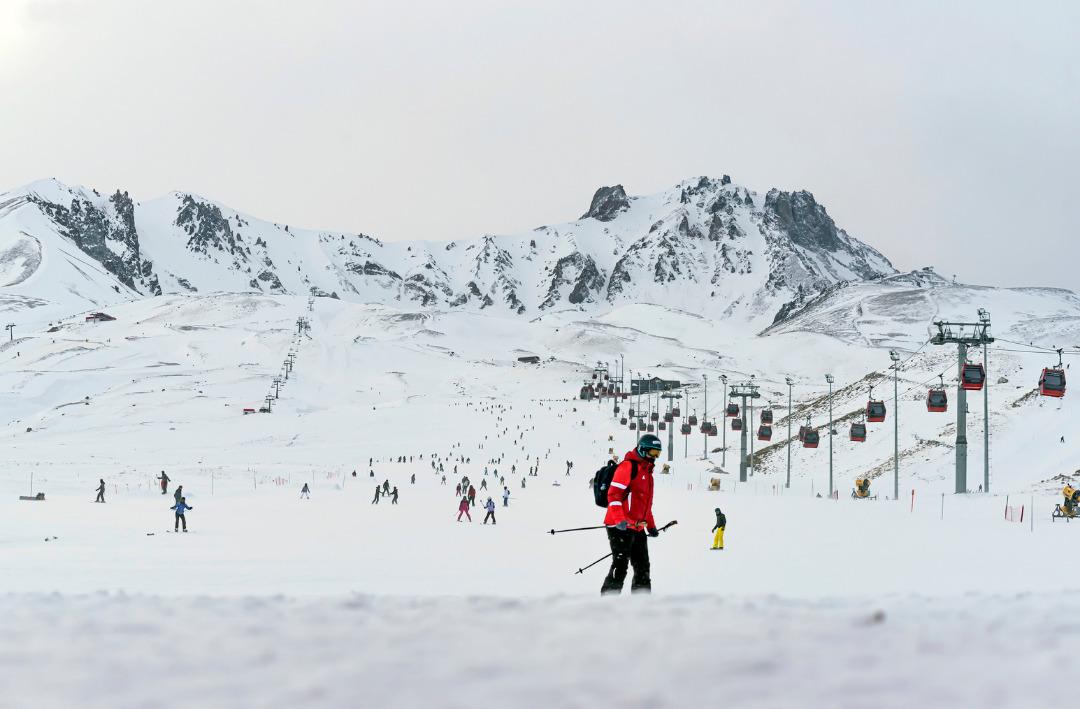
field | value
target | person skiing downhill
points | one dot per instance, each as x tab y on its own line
101	491
463	509
490	507
472	496
629	518
178	494
164	482
305	492
180	508
378	491
393	496
721	524
506	496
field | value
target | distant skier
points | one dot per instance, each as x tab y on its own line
386	487
378	491
178	494
444	480
721	524
412	480
506	496
164	482
180	508
457	490
472	496
305	492
393	496
483	484
463	509
523	483
490	507
101	491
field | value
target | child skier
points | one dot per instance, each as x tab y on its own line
180	508
721	523
490	507
101	491
463	509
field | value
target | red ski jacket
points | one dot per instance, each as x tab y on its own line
631	500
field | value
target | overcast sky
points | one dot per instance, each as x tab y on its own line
942	133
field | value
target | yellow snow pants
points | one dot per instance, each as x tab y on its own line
718	540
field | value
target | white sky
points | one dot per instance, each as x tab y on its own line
942	133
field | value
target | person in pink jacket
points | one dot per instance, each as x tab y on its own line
463	509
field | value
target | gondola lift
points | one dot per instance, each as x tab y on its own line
1052	381
736	424
972	376
764	432
732	410
875	409
937	400
858	432
766	415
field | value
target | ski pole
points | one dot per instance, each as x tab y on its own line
575	529
672	523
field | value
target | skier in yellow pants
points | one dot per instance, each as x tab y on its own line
721	523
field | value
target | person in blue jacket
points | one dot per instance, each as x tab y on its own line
180	508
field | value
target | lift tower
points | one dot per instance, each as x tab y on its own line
963	335
747	390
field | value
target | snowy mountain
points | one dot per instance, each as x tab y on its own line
706	246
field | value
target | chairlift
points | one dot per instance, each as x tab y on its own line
732	410
937	400
764	432
858	432
736	424
972	377
766	415
1052	381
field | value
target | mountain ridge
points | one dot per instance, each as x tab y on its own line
707	245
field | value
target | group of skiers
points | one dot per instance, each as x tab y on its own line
180	505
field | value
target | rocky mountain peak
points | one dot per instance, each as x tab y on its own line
607	203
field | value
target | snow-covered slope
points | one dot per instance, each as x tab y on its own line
706	246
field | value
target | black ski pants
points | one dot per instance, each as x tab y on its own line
490	515
180	519
100	496
631	548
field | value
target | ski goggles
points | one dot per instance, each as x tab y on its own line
653	453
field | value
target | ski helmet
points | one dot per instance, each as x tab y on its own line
647	443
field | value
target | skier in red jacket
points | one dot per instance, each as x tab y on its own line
629	518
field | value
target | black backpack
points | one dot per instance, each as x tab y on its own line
602	481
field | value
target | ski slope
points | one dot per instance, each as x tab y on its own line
271	600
